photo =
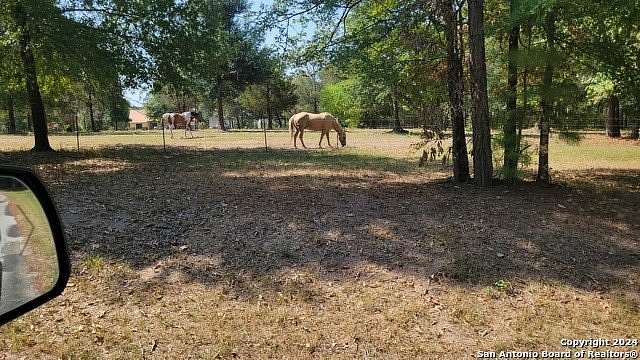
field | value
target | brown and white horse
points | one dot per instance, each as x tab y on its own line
324	122
186	120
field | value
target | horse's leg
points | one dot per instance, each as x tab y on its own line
302	138
171	130
321	137
329	138
295	138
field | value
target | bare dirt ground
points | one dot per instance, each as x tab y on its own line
218	249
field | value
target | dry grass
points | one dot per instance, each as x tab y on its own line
220	250
214	139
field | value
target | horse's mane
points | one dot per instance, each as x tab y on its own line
336	123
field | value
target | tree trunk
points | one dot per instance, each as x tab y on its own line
91	116
635	126
546	101
115	94
525	93
509	129
314	87
396	114
461	52
113	113
11	126
397	125
613	120
38	116
482	162
220	105
269	114
456	95
635	131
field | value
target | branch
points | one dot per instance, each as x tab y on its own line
284	17
98	10
301	12
343	19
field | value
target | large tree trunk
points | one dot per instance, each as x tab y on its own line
482	162
522	120
509	129
546	101
38	116
456	94
613	120
461	46
220	101
11	126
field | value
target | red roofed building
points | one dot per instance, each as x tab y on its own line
139	120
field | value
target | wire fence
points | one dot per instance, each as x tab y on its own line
74	136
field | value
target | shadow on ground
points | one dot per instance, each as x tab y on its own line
617	183
222	218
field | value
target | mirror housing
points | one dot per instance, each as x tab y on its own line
23	268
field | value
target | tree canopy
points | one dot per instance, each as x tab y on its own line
443	65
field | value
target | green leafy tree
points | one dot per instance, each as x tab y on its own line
341	99
11	85
158	103
83	41
271	99
230	60
308	90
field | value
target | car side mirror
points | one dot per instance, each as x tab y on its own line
34	264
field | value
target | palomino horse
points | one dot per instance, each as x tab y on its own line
179	120
324	122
